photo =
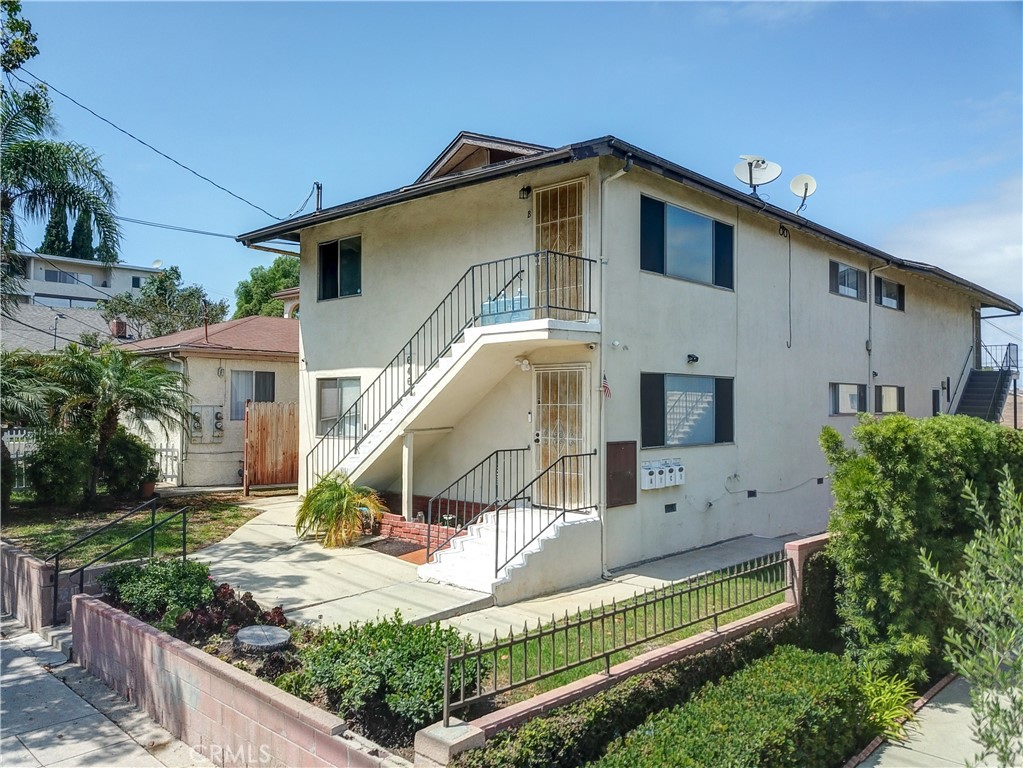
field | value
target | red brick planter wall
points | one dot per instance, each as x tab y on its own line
229	716
397	527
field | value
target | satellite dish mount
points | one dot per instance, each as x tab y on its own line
803	186
755	171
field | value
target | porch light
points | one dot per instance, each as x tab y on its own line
525	192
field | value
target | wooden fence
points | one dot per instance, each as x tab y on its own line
271	444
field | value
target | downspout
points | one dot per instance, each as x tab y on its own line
601	439
183	362
870	334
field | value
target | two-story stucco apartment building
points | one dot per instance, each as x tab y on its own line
591	356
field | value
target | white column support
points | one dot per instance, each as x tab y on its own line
407	449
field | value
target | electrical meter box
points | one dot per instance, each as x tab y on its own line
206	424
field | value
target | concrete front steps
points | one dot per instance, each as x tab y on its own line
567	554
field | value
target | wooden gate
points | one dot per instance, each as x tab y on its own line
271	444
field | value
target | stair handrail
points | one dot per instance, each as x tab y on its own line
689	401
459	310
1003	357
966	365
528	494
492	462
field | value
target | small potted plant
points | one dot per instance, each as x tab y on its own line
147	487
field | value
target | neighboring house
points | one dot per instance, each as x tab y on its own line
63	282
290	297
254	358
37	328
436	360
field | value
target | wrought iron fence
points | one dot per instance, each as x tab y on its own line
1000	357
477	671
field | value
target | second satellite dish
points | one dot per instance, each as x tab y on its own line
158	263
754	171
803	186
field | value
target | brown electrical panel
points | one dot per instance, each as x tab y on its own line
621	473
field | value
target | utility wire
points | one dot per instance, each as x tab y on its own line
147	144
49	332
998	327
173	227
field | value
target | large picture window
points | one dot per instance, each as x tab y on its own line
685	410
257	386
334	398
340	268
848	399
848	281
680	243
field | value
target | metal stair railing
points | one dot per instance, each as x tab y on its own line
1000	357
966	366
475	493
563	487
538	285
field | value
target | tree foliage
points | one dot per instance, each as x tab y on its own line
55	239
986	643
900	491
164	305
17	37
81	239
255	295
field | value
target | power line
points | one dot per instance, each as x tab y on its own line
1003	330
146	144
174	227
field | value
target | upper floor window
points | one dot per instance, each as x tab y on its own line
257	386
889	399
680	243
340	268
136	281
60	276
685	410
888	293
848	399
848	281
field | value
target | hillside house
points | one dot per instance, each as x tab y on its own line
590	356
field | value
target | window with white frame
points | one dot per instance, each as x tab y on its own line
889	399
848	281
334	399
60	276
340	268
257	386
680	243
848	399
136	281
676	409
888	293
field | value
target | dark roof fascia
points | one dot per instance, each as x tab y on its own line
479	139
677	173
186	350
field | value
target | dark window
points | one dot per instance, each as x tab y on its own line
848	281
676	409
621	473
889	294
136	281
847	399
889	399
680	243
257	386
341	268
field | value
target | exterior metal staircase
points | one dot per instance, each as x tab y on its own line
544	285
987	387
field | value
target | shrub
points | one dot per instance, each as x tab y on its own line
387	676
333	510
160	589
899	492
888	703
579	732
58	470
128	461
224	612
793	708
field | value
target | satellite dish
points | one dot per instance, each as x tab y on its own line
755	170
803	186
158	263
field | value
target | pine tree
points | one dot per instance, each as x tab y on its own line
81	239
55	239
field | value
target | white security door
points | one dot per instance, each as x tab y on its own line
560	431
560	283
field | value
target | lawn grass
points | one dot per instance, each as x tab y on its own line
42	532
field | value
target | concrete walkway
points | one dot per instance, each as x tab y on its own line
68	718
939	737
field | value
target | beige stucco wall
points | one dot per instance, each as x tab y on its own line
413	253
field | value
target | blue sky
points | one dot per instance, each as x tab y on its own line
910	115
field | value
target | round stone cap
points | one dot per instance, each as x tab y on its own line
260	638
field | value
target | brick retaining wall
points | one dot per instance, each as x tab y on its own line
397	527
229	716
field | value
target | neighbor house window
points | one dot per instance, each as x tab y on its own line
340	268
889	399
334	399
136	281
888	293
680	243
685	410
848	281
60	276
257	386
848	399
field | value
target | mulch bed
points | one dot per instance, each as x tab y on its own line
393	547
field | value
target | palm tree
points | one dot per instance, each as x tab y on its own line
114	385
332	509
39	174
25	398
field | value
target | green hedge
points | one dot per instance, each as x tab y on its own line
579	732
792	709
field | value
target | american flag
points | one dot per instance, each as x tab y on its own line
605	387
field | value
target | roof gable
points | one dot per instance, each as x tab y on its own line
475	150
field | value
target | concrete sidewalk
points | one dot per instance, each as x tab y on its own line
68	718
